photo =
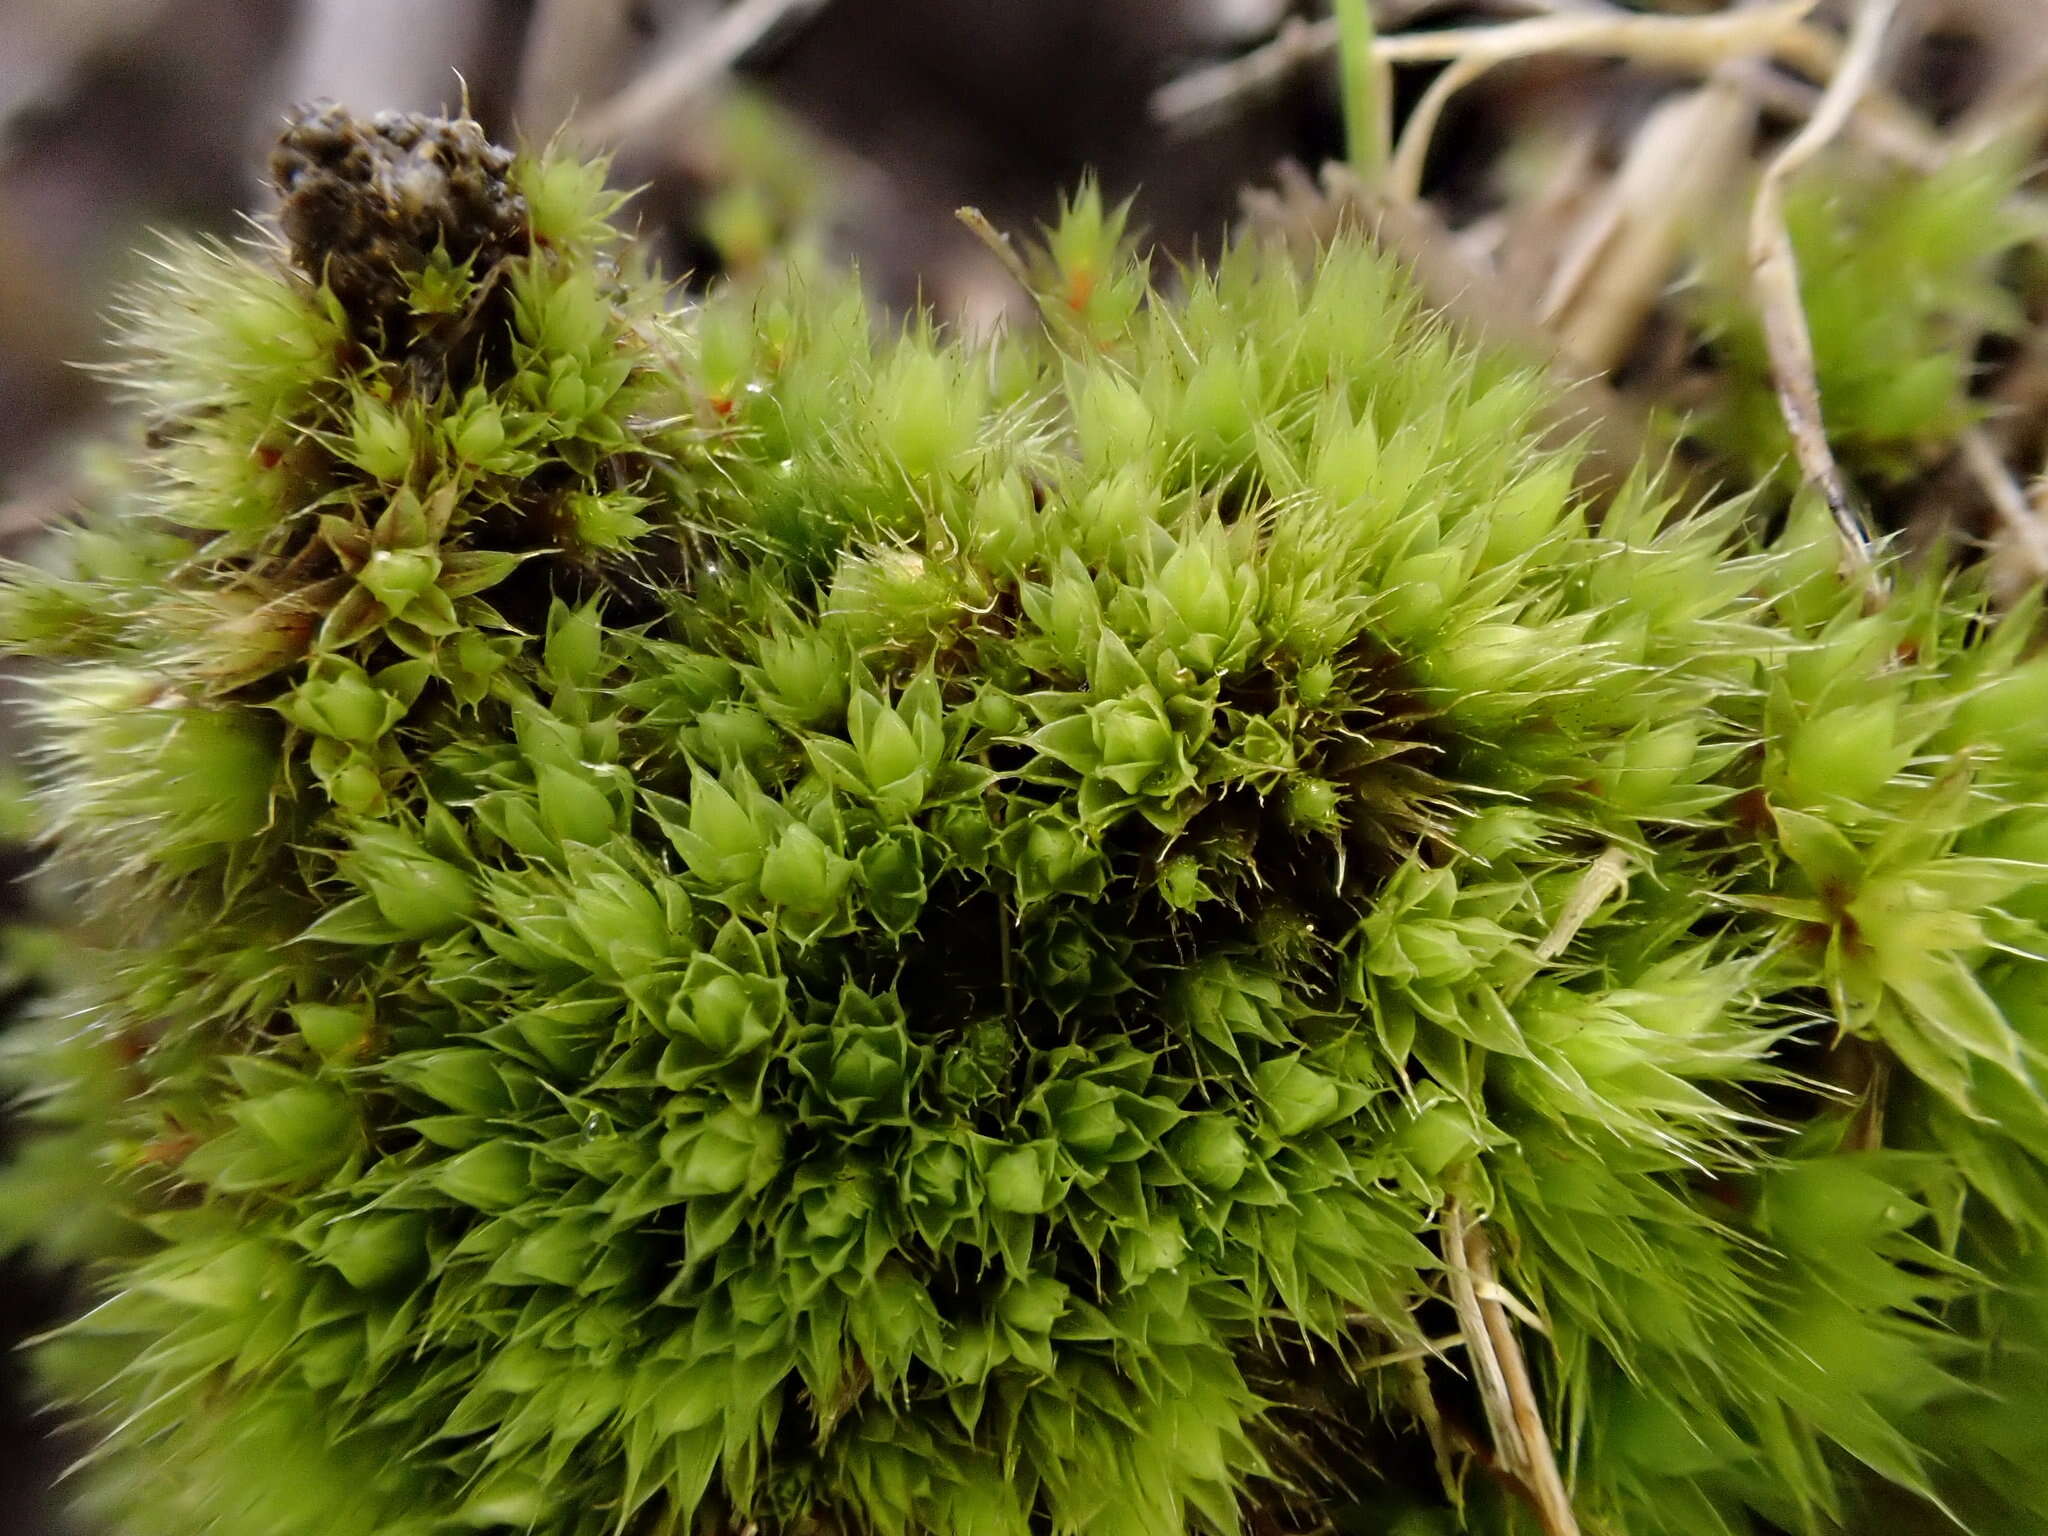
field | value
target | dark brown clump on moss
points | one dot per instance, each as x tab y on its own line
366	202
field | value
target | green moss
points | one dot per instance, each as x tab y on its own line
1899	278
733	922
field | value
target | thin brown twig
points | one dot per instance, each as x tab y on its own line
1711	39
1415	1381
2022	523
1404	171
1685	158
1866	1125
1883	126
1520	1310
1600	879
1295	45
694	63
1507	1391
1488	1377
1553	1502
1693	40
997	242
1774	268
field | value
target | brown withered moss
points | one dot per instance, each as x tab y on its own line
367	202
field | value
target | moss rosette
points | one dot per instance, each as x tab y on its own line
721	920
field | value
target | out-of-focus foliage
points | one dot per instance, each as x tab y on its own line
1899	277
